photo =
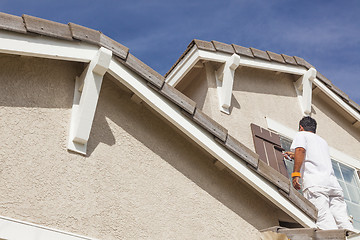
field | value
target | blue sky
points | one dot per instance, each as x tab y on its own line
325	33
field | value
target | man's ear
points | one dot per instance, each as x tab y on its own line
301	128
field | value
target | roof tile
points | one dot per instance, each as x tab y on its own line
273	176
354	105
288	59
243	51
223	47
300	201
260	54
118	49
204	45
275	57
144	70
340	93
209	124
323	78
302	62
242	151
85	34
178	98
12	23
47	28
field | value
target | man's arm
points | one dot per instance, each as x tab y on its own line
299	159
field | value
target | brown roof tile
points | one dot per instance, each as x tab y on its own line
242	151
209	124
85	34
289	60
302	62
204	45
260	54
300	201
340	93
12	23
118	49
275	57
223	47
47	28
144	70
354	105
243	50
273	176
323	78
178	98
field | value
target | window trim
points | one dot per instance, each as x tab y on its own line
334	153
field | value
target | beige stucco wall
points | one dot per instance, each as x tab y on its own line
140	180
258	94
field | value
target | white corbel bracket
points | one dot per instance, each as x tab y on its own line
303	87
225	81
86	95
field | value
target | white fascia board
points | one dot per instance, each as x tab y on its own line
173	114
253	62
19	230
46	47
185	65
337	99
334	153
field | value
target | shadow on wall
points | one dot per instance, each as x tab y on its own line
36	82
174	148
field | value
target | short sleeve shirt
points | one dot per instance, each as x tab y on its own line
316	169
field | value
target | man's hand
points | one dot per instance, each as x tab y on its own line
289	154
296	183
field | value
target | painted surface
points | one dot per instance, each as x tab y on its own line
141	178
258	94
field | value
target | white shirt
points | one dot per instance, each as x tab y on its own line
316	169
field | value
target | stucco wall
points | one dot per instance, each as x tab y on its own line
258	94
141	178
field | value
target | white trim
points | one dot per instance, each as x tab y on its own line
46	47
337	99
334	153
202	137
84	104
304	85
225	81
20	230
183	67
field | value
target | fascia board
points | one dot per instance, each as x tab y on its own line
15	229
174	115
46	47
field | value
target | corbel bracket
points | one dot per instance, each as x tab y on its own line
86	95
303	87
225	81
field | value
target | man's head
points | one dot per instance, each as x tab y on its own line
308	124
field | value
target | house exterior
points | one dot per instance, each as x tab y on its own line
97	145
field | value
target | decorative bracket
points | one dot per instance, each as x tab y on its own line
225	81
303	88
86	95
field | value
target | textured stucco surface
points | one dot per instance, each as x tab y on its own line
140	180
258	94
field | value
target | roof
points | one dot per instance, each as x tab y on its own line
31	26
215	46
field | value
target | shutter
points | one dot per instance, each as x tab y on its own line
268	147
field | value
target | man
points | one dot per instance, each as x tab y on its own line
319	184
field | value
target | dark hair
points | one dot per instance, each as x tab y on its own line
308	123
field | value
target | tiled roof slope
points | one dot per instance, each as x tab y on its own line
215	46
73	32
312	233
